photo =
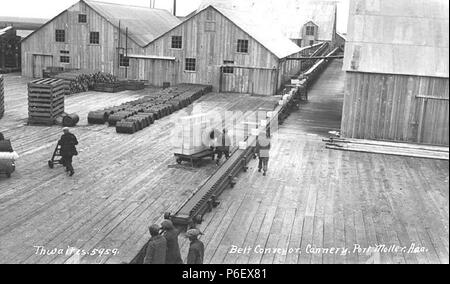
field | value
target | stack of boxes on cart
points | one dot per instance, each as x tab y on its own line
2	97
193	135
46	100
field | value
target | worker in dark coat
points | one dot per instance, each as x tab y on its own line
156	247
223	146
196	248
68	142
2	137
173	255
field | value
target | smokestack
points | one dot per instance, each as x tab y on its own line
175	8
152	4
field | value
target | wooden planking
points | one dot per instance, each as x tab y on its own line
2	97
396	108
211	49
101	57
313	196
110	201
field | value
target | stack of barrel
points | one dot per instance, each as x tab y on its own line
2	97
46	100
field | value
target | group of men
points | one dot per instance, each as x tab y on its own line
222	142
163	247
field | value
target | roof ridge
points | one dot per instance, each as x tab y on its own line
126	5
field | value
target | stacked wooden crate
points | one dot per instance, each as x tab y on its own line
193	135
2	97
46	100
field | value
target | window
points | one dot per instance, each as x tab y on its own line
124	61
310	30
242	46
210	26
190	64
60	36
65	52
228	70
177	42
82	18
64	59
210	15
94	38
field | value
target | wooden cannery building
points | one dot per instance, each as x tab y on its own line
93	36
220	47
306	22
397	64
9	50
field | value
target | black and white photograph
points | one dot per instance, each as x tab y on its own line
231	133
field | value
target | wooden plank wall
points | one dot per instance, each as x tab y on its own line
396	108
101	57
211	49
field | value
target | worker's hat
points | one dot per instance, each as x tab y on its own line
193	233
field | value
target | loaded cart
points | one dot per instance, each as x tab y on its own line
194	159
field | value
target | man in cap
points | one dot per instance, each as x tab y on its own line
196	248
68	142
263	151
173	255
156	247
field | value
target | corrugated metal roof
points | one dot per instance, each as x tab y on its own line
144	24
269	36
407	37
289	15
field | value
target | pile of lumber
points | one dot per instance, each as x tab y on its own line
83	81
2	97
46	100
388	148
134	116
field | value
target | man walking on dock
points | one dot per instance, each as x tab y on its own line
173	255
263	151
223	148
196	248
156	248
68	142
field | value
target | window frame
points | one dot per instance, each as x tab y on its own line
62	34
67	61
193	61
310	30
80	16
176	39
243	43
124	59
228	70
98	38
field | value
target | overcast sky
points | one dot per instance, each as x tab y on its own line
50	8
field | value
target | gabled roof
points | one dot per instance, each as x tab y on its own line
144	24
264	33
289	15
268	36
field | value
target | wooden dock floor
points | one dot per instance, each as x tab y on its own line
315	199
123	183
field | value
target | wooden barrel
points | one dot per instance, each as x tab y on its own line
70	120
126	127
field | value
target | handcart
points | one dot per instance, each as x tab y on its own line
194	159
56	157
